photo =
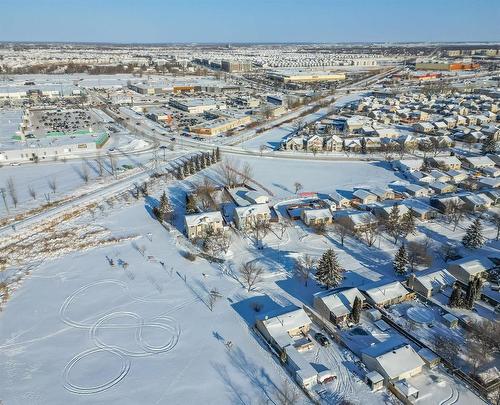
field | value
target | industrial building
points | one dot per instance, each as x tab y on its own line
447	66
196	105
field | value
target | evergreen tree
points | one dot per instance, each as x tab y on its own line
473	237
489	145
203	161
356	310
213	157
208	160
180	173
470	295
455	300
197	163
478	285
392	225
363	146
407	224
165	208
217	154
329	272
186	169
401	261
192	167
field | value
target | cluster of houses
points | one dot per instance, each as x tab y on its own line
248	208
372	120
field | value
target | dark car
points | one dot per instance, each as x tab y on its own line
322	339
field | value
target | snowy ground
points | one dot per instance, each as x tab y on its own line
78	330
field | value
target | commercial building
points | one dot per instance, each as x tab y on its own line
299	76
446	66
196	105
233	66
220	125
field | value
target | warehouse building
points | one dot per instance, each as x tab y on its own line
299	76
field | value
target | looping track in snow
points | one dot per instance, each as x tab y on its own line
166	324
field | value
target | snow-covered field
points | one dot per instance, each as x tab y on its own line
80	330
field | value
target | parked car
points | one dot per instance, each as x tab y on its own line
322	339
326	376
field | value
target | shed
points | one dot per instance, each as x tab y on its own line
450	320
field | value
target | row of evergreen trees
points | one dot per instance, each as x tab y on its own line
197	162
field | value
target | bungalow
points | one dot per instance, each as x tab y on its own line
457	176
255	197
491	171
477	162
488	182
337	306
251	214
407	165
387	294
316	217
392	359
431	283
196	225
494	196
446	162
420	210
467	269
439	176
425	127
442	188
421	177
382	193
443	203
356	221
416	191
364	197
476	202
383	211
339	200
495	158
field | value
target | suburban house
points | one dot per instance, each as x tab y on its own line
384	210
392	359
467	269
337	306
446	162
476	202
339	200
315	217
196	225
364	197
286	330
457	176
408	165
356	221
251	214
443	203
477	162
431	283
420	210
416	191
442	188
387	294
382	193
494	196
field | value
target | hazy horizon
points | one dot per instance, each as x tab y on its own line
263	22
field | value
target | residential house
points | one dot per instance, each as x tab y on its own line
251	214
337	306
387	294
407	165
467	269
364	197
196	225
420	210
446	162
442	188
316	217
443	203
339	200
431	283
476	202
356	221
416	191
477	162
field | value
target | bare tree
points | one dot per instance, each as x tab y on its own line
447	348
11	188
112	164
369	230
304	266
259	228
213	296
246	173
32	192
228	171
418	254
52	182
298	187
495	220
286	394
4	198
251	274
84	174
455	211
262	148
342	231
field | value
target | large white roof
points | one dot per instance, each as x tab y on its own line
203	218
340	303
397	362
253	209
386	292
279	323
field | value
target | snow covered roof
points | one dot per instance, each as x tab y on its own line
203	218
472	266
337	198
279	322
243	212
317	213
479	160
374	376
406	388
340	303
399	361
386	292
362	194
440	278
